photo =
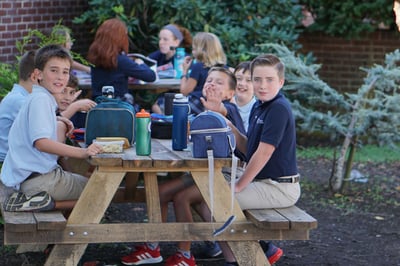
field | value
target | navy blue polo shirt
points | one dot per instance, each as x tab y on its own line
199	72
161	58
272	122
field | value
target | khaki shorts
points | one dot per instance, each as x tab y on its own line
268	194
61	185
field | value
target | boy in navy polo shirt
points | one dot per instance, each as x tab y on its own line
270	179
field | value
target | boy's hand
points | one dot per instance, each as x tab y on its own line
77	94
68	123
94	149
213	100
84	105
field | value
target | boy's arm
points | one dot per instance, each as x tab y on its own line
61	149
82	105
256	163
241	140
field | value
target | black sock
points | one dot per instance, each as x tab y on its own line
233	263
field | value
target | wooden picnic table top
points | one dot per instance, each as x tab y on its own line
84	220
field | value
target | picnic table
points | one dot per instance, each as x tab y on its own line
83	225
159	86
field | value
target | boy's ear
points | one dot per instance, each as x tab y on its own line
230	94
282	81
38	74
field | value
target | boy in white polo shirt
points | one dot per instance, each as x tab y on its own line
30	166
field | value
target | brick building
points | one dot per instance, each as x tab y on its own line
340	58
17	17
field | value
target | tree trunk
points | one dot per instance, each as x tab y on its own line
336	181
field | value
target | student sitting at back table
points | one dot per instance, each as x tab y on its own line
170	37
112	66
65	34
15	99
208	52
30	166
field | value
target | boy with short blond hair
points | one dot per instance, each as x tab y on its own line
30	166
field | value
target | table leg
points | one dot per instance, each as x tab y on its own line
152	197
94	200
131	180
247	253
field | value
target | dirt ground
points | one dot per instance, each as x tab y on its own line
359	229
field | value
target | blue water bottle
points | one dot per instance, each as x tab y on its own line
178	60
180	113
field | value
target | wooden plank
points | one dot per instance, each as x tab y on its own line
54	220
131	181
19	221
298	218
152	197
267	218
240	233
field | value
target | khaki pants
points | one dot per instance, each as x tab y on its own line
61	185
268	194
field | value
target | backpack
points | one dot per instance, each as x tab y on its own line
110	118
209	130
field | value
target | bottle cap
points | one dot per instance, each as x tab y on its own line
142	113
180	98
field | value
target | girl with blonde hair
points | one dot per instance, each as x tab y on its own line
208	52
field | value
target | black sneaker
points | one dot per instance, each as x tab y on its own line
212	249
19	202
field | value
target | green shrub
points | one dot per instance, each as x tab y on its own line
8	76
239	24
350	18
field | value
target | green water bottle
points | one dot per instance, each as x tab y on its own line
142	133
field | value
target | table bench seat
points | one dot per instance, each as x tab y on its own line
28	222
292	218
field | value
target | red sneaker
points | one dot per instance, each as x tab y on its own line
179	260
143	255
272	252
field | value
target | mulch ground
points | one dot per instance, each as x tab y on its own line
360	228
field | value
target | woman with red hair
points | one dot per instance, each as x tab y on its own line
111	65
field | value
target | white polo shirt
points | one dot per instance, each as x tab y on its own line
9	108
36	120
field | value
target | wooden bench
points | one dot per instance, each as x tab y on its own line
28	223
293	220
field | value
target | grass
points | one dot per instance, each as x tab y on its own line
379	191
367	153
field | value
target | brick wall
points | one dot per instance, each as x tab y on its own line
17	17
341	59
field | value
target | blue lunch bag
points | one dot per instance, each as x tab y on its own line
110	118
209	130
